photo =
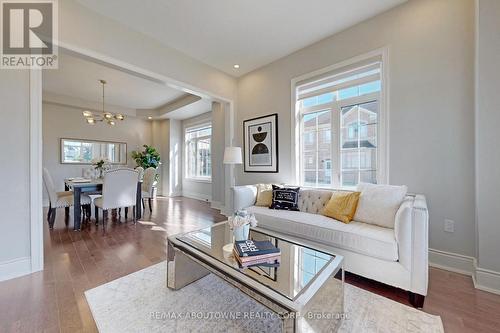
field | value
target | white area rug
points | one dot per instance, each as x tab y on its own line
141	302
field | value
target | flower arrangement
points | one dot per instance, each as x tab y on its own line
100	165
242	218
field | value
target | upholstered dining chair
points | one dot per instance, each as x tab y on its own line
61	199
118	190
147	185
140	170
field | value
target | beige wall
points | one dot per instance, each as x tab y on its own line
14	167
67	122
218	140
431	70
161	141
488	137
175	157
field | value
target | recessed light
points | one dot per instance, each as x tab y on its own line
236	66
150	117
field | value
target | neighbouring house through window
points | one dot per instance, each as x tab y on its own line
340	130
198	156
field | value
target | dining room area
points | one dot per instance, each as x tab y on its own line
113	143
103	187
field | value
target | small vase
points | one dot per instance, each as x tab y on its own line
241	233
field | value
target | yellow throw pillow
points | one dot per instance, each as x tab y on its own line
264	195
342	206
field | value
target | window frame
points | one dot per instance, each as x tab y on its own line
194	128
380	55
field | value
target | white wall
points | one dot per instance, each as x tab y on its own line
14	167
431	69
67	122
488	136
197	189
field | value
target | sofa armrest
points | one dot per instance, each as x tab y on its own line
244	196
412	234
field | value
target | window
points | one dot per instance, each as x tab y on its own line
339	132
198	157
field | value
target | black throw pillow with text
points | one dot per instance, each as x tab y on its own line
285	198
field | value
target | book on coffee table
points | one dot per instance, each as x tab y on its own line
251	248
271	258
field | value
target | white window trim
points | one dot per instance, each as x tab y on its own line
383	121
195	127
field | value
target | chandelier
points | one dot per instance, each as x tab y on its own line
109	117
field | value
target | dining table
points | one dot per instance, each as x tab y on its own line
93	186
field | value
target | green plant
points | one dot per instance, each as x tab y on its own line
149	157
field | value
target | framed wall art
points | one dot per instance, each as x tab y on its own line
260	141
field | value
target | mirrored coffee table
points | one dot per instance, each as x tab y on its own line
294	290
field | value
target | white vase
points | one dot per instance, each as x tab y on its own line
241	233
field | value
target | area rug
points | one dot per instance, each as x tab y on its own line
141	302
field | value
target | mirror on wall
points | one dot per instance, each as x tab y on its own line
80	151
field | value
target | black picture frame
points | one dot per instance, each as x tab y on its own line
273	167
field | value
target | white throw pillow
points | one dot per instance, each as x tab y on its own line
378	204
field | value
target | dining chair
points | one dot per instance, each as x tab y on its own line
119	189
62	199
147	186
140	170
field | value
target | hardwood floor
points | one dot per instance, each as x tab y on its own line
53	300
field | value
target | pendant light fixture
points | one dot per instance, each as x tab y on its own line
108	117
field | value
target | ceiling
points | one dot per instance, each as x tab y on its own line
222	33
79	78
190	110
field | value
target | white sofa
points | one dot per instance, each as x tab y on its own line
397	257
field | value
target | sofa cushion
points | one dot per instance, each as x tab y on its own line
356	236
378	204
313	201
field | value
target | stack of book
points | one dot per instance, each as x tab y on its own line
256	253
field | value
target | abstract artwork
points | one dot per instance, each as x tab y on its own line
261	144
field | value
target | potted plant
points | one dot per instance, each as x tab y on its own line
148	158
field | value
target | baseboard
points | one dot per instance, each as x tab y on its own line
15	268
487	280
452	262
197	196
483	279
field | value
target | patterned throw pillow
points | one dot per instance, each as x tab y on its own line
285	198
